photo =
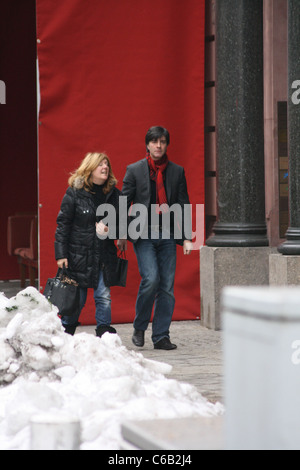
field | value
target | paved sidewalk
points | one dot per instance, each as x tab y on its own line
197	359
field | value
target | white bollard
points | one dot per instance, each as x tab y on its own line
262	367
55	432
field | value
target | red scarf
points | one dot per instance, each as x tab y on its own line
157	170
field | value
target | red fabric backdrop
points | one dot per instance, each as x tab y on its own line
109	71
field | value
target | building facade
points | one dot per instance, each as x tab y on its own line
251	148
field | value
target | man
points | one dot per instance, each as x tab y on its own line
156	184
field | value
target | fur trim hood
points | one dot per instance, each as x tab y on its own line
78	182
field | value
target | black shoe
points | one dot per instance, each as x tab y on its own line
100	330
70	329
165	343
138	338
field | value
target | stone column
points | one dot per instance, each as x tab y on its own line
240	125
237	253
292	244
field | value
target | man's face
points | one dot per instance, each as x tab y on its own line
157	148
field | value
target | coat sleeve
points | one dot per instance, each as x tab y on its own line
64	225
129	185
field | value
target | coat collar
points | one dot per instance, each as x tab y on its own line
86	194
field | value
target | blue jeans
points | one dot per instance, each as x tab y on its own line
102	303
157	263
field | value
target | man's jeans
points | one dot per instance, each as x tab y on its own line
102	302
157	263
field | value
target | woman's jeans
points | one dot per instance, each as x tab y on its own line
102	302
157	263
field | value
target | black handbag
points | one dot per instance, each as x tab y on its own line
121	270
116	273
63	292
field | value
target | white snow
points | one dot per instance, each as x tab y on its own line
98	381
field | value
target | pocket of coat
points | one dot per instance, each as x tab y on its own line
78	263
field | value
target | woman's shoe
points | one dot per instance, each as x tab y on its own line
100	330
70	329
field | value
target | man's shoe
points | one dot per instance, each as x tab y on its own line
138	338
165	343
100	330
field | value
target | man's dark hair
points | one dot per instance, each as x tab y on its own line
156	132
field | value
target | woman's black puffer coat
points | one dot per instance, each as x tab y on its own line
76	238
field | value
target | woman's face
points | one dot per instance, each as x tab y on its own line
100	174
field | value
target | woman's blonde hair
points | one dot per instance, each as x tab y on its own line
82	177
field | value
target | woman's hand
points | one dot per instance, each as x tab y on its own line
101	229
61	262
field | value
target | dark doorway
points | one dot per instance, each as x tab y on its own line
18	120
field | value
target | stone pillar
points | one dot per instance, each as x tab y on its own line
231	266
240	125
261	368
237	253
292	244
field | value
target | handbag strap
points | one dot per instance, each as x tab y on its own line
62	272
63	275
121	254
59	273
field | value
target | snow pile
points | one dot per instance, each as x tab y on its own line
98	381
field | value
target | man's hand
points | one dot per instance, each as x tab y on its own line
122	244
187	247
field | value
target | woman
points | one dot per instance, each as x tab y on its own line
78	245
